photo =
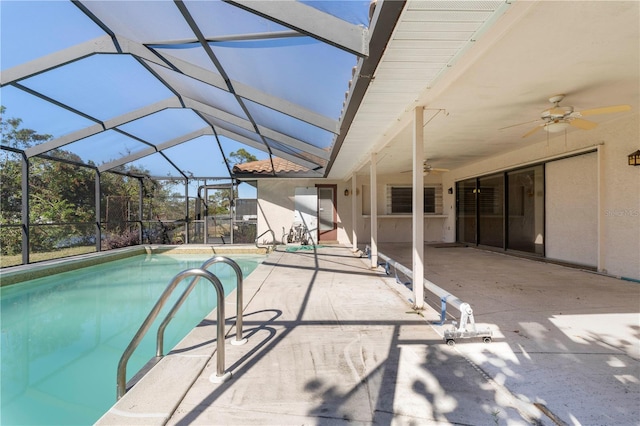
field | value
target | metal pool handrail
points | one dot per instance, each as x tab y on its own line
273	240
217	259
122	365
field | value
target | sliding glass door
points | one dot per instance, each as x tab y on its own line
466	223
503	210
525	226
491	211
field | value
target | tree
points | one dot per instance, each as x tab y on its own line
62	197
44	206
61	194
219	202
240	156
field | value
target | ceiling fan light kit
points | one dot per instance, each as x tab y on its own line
557	126
559	118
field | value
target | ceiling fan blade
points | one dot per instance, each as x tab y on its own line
532	131
519	124
605	110
582	124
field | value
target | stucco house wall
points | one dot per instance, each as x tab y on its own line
395	228
617	201
618	187
276	204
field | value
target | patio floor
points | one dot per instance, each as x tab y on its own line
331	341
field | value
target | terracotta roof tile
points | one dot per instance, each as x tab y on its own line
263	167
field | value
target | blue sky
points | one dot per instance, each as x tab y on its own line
302	71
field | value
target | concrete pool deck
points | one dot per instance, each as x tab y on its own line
331	341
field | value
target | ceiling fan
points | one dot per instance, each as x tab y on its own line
559	118
428	168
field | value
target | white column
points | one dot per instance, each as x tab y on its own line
354	212
418	208
600	221
374	212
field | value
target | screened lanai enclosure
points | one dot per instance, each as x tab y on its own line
122	120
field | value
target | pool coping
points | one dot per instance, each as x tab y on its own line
17	274
169	380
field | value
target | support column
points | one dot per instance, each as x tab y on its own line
600	203
418	208
186	211
98	207
140	207
231	192
374	211
354	212
25	208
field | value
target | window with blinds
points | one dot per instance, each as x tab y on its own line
400	199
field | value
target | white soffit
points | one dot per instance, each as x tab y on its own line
428	39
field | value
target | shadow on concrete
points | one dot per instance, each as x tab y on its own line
564	351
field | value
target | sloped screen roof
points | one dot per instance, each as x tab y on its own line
172	87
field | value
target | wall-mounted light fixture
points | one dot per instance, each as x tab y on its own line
346	192
450	190
634	158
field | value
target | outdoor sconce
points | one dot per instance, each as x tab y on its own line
634	158
346	192
450	190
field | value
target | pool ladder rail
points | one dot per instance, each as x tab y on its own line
197	273
271	246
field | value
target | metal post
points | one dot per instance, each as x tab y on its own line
140	207
231	211
186	219
98	207
205	237
25	208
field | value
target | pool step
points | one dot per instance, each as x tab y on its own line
143	371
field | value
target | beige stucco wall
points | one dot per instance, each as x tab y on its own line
618	205
394	229
276	205
571	209
618	198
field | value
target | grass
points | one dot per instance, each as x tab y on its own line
16	259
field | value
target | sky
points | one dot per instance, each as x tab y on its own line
299	70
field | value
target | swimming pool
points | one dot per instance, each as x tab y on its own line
63	335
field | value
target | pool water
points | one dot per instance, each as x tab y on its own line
63	335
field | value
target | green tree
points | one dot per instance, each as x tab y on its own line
11	167
240	156
43	206
220	201
58	192
61	192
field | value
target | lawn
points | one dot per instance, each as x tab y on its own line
14	260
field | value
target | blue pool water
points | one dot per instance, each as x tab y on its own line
63	335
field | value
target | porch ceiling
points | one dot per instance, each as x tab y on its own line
521	54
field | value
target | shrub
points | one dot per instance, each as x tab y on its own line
124	239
